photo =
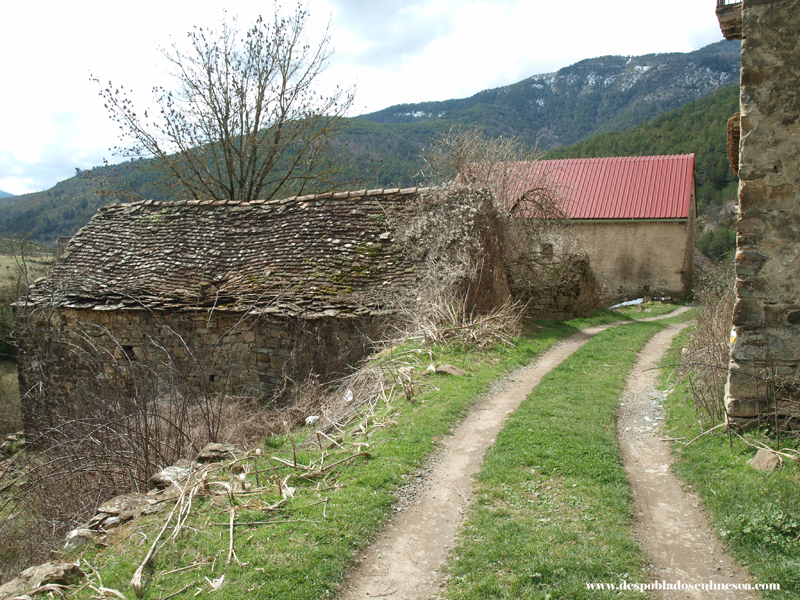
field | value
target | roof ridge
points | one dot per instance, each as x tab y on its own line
619	158
306	198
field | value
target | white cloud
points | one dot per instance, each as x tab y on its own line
395	51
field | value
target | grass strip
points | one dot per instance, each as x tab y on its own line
301	551
554	507
757	514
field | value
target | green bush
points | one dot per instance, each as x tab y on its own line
717	244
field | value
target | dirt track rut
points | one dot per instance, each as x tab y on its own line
405	561
671	527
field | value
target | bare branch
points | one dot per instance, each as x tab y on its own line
243	121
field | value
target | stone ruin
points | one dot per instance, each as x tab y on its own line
765	359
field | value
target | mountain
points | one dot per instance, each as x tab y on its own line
594	96
68	205
5	194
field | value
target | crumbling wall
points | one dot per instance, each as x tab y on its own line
79	363
455	236
767	311
570	291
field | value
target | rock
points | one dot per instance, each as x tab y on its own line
78	538
111	522
764	460
186	464
451	370
12	443
166	477
59	573
312	420
125	508
216	452
96	521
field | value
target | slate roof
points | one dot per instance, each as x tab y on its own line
630	187
323	255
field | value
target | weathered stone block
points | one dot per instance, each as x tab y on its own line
748	312
752	197
781	314
749	263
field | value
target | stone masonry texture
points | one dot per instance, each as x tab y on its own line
153	300
767	311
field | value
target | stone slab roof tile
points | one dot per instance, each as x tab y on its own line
304	255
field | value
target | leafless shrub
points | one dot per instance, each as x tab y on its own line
537	241
706	358
136	415
47	492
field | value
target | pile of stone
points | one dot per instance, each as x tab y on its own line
12	443
164	490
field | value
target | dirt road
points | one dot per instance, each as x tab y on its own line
671	526
405	562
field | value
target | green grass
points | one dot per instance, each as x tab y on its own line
643	311
554	508
757	514
305	557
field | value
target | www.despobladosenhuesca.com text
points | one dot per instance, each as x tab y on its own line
707	586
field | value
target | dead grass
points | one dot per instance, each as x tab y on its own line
10	418
448	321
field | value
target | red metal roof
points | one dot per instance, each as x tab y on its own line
631	187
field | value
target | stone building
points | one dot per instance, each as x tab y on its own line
634	217
153	299
767	310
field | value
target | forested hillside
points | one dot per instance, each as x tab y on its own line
383	149
68	205
595	95
700	127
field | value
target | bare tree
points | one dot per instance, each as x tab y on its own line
505	165
528	194
244	121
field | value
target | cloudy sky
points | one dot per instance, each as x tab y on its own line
393	51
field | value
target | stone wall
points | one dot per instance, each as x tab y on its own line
767	311
566	291
76	363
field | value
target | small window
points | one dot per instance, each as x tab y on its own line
212	378
128	352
